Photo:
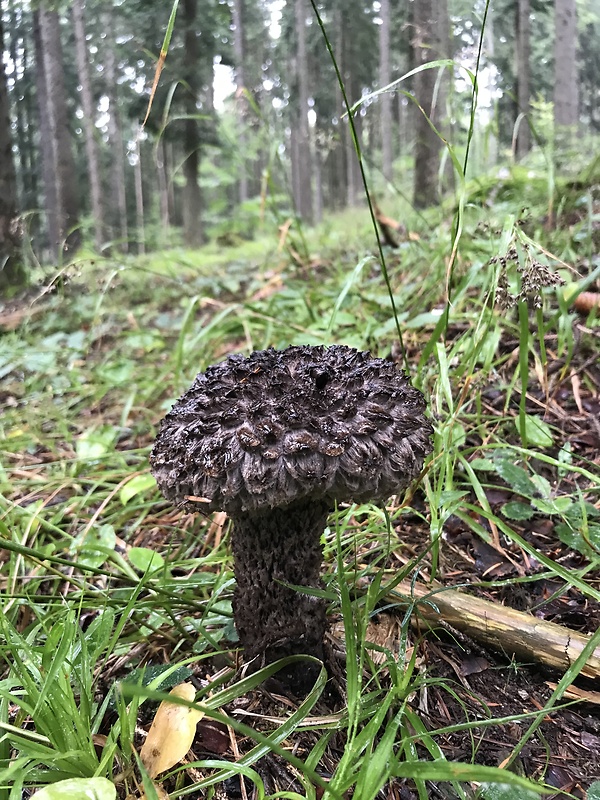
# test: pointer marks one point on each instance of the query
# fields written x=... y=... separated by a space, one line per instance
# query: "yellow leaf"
x=171 y=733
x=162 y=794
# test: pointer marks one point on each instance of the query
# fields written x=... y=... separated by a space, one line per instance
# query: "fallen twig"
x=502 y=628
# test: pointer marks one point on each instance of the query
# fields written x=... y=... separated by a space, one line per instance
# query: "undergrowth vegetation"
x=110 y=597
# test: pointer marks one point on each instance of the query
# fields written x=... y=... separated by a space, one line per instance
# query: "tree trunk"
x=91 y=144
x=30 y=150
x=58 y=112
x=237 y=12
x=337 y=158
x=444 y=84
x=294 y=164
x=47 y=151
x=169 y=161
x=139 y=195
x=24 y=170
x=385 y=100
x=353 y=183
x=318 y=174
x=489 y=86
x=566 y=99
x=523 y=143
x=118 y=193
x=304 y=206
x=163 y=187
x=426 y=44
x=192 y=202
x=12 y=271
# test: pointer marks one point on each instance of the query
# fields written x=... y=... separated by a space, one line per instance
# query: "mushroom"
x=275 y=440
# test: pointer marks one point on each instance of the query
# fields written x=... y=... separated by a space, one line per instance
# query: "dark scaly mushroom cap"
x=284 y=425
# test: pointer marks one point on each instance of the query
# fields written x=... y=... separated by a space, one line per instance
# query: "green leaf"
x=117 y=373
x=594 y=791
x=144 y=559
x=537 y=431
x=443 y=770
x=562 y=504
x=542 y=486
x=92 y=549
x=588 y=545
x=426 y=318
x=544 y=506
x=459 y=435
x=516 y=477
x=558 y=505
x=503 y=791
x=449 y=496
x=483 y=464
x=79 y=789
x=146 y=675
x=96 y=442
x=582 y=510
x=137 y=485
x=517 y=511
x=352 y=278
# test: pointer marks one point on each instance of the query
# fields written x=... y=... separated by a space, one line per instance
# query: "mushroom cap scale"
x=278 y=426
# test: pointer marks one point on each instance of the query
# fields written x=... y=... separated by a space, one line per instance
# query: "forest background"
x=249 y=121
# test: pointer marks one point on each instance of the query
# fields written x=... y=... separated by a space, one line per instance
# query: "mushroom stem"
x=273 y=548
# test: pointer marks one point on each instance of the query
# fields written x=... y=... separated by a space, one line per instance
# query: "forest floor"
x=98 y=572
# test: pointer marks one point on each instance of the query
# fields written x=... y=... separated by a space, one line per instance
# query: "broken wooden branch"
x=514 y=633
x=392 y=231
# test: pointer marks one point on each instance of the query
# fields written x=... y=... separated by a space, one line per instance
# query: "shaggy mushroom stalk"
x=274 y=550
x=275 y=440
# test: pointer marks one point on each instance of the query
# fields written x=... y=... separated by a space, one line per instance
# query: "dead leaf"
x=575 y=693
x=384 y=631
x=171 y=733
x=473 y=665
x=161 y=793
x=213 y=736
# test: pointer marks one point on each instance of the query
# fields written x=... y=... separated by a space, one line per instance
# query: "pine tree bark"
x=47 y=150
x=58 y=113
x=28 y=147
x=237 y=13
x=566 y=95
x=12 y=271
x=139 y=195
x=338 y=168
x=294 y=165
x=304 y=205
x=318 y=175
x=385 y=100
x=192 y=201
x=91 y=143
x=523 y=143
x=427 y=46
x=24 y=170
x=162 y=171
x=118 y=194
x=444 y=82
x=353 y=182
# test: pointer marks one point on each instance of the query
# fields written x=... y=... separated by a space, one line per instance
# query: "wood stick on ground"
x=514 y=633
x=392 y=231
